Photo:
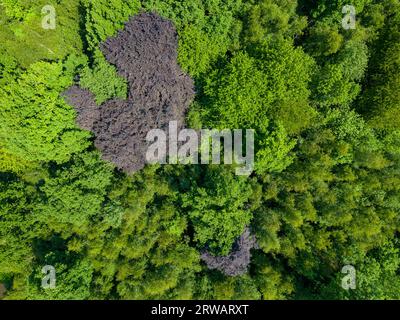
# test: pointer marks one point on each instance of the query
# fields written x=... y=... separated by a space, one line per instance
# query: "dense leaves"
x=325 y=192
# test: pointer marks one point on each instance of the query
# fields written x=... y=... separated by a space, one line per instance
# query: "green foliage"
x=333 y=89
x=334 y=8
x=377 y=276
x=36 y=123
x=73 y=192
x=148 y=253
x=336 y=197
x=274 y=155
x=207 y=30
x=381 y=101
x=72 y=283
x=104 y=18
x=342 y=55
x=337 y=81
x=17 y=227
x=12 y=163
x=103 y=81
x=218 y=209
x=270 y=17
x=272 y=284
x=259 y=86
x=265 y=90
x=325 y=192
x=324 y=40
x=23 y=37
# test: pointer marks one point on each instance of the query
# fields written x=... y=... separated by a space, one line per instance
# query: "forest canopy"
x=81 y=83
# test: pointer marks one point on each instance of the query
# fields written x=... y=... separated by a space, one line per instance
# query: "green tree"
x=72 y=193
x=265 y=18
x=381 y=100
x=23 y=37
x=218 y=207
x=36 y=123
